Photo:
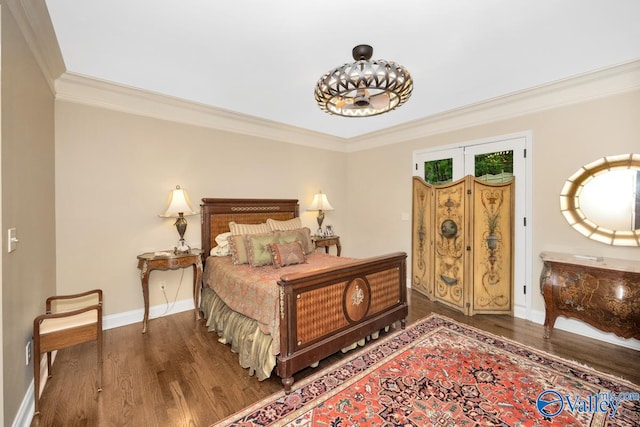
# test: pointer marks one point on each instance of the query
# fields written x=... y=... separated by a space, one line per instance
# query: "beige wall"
x=564 y=139
x=82 y=223
x=103 y=156
x=114 y=172
x=28 y=274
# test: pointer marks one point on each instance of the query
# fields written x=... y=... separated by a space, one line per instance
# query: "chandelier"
x=363 y=88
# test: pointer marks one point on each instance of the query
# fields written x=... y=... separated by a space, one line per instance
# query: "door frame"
x=520 y=311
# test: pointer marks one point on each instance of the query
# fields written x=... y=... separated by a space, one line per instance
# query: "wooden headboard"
x=217 y=213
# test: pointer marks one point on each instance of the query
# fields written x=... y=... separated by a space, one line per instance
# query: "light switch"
x=404 y=216
x=12 y=240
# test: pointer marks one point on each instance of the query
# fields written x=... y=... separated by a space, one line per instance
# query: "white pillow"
x=223 y=239
x=220 y=251
x=291 y=224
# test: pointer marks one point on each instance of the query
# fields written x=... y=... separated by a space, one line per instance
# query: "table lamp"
x=179 y=205
x=321 y=204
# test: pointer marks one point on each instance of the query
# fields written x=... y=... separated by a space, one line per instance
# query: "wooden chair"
x=63 y=327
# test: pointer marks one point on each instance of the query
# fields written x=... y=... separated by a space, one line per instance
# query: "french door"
x=498 y=159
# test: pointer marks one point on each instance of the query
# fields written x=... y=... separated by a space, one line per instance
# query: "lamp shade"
x=320 y=203
x=178 y=203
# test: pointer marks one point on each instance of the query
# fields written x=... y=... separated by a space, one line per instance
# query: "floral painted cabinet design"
x=462 y=244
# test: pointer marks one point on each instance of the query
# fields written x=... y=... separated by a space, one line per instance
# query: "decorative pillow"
x=302 y=235
x=223 y=239
x=238 y=250
x=242 y=229
x=220 y=250
x=291 y=224
x=284 y=254
x=258 y=248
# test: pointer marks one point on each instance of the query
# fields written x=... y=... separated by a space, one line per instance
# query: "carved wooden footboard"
x=323 y=312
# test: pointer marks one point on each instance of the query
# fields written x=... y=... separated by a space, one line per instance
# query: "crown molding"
x=89 y=91
x=32 y=17
x=602 y=83
x=598 y=84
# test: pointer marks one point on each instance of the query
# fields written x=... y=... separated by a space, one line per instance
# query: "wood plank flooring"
x=178 y=374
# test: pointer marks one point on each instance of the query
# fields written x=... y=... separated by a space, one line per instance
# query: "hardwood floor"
x=178 y=374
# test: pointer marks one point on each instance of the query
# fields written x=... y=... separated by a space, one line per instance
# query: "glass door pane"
x=494 y=167
x=440 y=167
x=438 y=171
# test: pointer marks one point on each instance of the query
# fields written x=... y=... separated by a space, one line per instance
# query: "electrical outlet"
x=27 y=353
x=163 y=284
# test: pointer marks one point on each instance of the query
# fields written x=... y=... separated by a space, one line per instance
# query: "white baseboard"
x=135 y=316
x=581 y=328
x=25 y=412
x=577 y=327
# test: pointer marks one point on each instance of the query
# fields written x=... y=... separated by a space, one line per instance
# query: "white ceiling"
x=263 y=58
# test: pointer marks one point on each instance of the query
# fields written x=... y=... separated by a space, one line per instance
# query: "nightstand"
x=168 y=260
x=326 y=242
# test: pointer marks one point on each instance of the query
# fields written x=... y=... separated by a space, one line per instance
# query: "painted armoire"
x=462 y=244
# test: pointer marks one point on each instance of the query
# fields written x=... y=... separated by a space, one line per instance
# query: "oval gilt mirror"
x=602 y=200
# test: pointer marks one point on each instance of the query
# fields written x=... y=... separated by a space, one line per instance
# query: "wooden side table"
x=326 y=242
x=168 y=260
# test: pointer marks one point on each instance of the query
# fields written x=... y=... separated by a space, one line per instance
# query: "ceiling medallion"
x=363 y=88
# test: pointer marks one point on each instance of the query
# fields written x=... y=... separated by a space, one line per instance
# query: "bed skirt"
x=242 y=333
x=245 y=337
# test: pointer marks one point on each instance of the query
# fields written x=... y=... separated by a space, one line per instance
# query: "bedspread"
x=253 y=291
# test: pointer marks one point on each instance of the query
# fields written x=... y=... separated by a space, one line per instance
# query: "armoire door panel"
x=492 y=265
x=422 y=238
x=463 y=244
x=450 y=244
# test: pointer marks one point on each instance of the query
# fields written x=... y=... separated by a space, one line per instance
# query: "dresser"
x=603 y=292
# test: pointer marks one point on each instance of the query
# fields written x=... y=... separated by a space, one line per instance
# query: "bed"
x=286 y=319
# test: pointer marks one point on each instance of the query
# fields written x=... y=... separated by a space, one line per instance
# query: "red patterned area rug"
x=438 y=372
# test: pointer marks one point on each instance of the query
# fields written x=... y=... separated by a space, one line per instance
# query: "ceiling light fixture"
x=364 y=88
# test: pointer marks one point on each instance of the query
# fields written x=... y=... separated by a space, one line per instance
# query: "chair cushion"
x=56 y=324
